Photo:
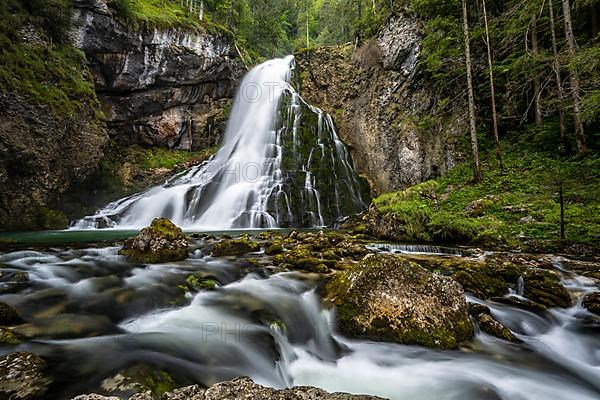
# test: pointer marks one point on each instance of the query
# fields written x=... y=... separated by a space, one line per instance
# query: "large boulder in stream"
x=389 y=298
x=240 y=388
x=160 y=242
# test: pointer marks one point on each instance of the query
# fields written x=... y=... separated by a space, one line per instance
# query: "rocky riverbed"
x=339 y=311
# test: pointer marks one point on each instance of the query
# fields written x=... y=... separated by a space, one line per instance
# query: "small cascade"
x=520 y=286
x=281 y=165
x=415 y=249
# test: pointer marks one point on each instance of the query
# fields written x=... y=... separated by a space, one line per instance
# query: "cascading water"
x=275 y=329
x=281 y=165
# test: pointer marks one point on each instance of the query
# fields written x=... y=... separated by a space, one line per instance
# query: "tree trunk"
x=561 y=200
x=559 y=87
x=477 y=176
x=574 y=79
x=493 y=91
x=537 y=89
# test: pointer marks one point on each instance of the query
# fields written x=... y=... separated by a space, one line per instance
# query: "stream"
x=93 y=314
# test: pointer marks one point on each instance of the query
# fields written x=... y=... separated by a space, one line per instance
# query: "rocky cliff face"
x=169 y=88
x=42 y=155
x=160 y=87
x=381 y=106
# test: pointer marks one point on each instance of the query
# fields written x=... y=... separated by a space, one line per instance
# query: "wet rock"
x=95 y=396
x=13 y=282
x=66 y=326
x=197 y=282
x=235 y=247
x=304 y=258
x=273 y=249
x=544 y=287
x=8 y=315
x=390 y=298
x=22 y=376
x=592 y=302
x=160 y=242
x=488 y=324
x=241 y=388
x=141 y=378
x=8 y=338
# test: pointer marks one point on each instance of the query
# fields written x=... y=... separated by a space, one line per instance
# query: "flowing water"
x=274 y=328
x=281 y=165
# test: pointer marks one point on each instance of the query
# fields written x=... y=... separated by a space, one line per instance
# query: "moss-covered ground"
x=517 y=207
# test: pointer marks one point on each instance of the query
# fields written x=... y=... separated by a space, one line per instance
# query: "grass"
x=504 y=209
x=162 y=14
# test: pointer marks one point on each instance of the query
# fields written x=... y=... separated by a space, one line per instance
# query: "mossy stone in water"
x=160 y=242
x=592 y=302
x=8 y=338
x=235 y=247
x=8 y=315
x=389 y=298
x=489 y=324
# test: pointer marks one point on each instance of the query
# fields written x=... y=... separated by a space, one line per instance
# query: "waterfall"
x=281 y=165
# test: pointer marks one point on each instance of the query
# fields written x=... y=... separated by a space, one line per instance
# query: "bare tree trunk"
x=561 y=200
x=574 y=79
x=493 y=91
x=559 y=86
x=537 y=87
x=477 y=176
x=201 y=15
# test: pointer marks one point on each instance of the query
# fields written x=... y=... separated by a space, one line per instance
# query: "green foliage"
x=44 y=69
x=158 y=157
x=504 y=209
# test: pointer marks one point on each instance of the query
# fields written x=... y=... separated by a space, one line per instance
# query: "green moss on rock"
x=235 y=247
x=8 y=338
x=53 y=219
x=160 y=242
x=390 y=298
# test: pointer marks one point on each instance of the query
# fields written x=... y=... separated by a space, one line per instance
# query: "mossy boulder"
x=23 y=376
x=160 y=242
x=389 y=298
x=139 y=378
x=235 y=247
x=592 y=302
x=488 y=324
x=305 y=258
x=273 y=248
x=197 y=282
x=544 y=287
x=8 y=315
x=8 y=338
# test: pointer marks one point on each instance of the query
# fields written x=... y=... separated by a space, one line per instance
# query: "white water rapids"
x=274 y=329
x=246 y=184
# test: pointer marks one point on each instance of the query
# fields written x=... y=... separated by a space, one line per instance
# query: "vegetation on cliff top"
x=37 y=61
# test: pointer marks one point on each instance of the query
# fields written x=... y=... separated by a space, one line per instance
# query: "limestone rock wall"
x=381 y=105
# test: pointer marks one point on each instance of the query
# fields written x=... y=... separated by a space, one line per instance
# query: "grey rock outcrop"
x=240 y=388
x=166 y=87
x=382 y=107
